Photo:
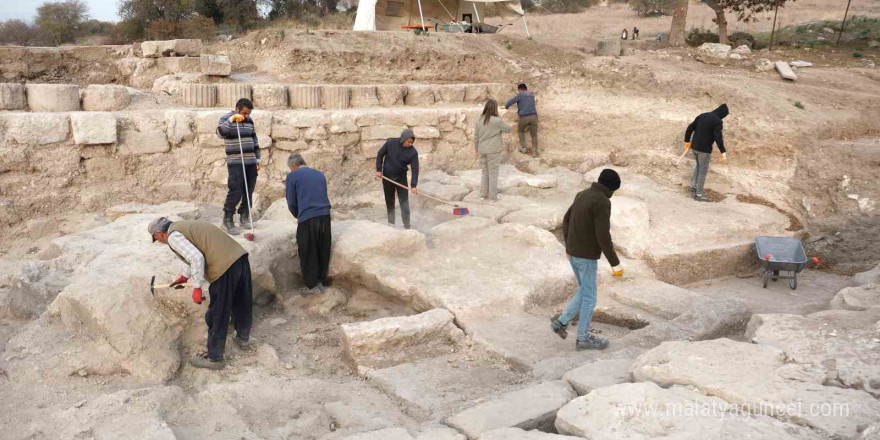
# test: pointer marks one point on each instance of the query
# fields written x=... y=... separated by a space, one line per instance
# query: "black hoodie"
x=707 y=129
x=393 y=158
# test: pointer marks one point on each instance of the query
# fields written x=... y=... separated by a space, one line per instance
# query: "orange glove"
x=197 y=295
x=724 y=157
x=617 y=271
x=687 y=146
x=236 y=118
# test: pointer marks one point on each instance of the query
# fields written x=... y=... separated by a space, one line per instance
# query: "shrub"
x=699 y=36
x=740 y=37
x=199 y=27
x=799 y=105
x=652 y=8
x=857 y=54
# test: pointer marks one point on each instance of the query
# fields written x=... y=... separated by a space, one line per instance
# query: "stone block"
x=35 y=128
x=377 y=132
x=197 y=95
x=519 y=434
x=598 y=374
x=269 y=96
x=382 y=434
x=292 y=146
x=343 y=123
x=179 y=126
x=370 y=149
x=216 y=65
x=53 y=97
x=715 y=50
x=175 y=65
x=206 y=121
x=12 y=97
x=333 y=97
x=419 y=94
x=105 y=168
x=391 y=95
x=105 y=97
x=478 y=93
x=609 y=48
x=364 y=96
x=304 y=96
x=426 y=132
x=785 y=70
x=171 y=48
x=229 y=94
x=375 y=343
x=533 y=407
x=142 y=133
x=452 y=93
x=93 y=128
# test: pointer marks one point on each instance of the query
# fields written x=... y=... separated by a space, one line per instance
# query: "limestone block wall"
x=63 y=97
x=53 y=162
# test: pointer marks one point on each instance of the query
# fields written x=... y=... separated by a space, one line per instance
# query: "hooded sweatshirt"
x=586 y=227
x=707 y=129
x=393 y=158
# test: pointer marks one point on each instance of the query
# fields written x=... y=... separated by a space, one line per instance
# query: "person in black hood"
x=707 y=129
x=392 y=162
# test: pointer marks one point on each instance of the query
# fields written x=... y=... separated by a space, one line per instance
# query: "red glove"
x=197 y=295
x=177 y=283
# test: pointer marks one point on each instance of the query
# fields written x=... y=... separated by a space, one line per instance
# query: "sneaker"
x=243 y=344
x=201 y=361
x=523 y=150
x=592 y=343
x=701 y=198
x=496 y=197
x=558 y=328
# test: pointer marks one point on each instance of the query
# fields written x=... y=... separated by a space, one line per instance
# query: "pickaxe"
x=164 y=286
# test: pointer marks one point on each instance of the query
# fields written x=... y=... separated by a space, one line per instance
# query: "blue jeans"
x=584 y=300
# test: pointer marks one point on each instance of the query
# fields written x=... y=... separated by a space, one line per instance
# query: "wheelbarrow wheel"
x=792 y=282
x=766 y=278
x=775 y=275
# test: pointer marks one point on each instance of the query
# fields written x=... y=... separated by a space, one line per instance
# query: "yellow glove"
x=236 y=118
x=724 y=157
x=617 y=271
x=687 y=146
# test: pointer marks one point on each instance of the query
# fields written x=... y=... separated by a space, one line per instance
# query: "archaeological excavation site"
x=441 y=330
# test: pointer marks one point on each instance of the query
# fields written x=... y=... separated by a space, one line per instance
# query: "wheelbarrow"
x=781 y=254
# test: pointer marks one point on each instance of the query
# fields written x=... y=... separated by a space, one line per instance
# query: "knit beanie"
x=610 y=179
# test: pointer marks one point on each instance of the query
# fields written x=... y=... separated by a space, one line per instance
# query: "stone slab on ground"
x=655 y=297
x=216 y=65
x=643 y=411
x=105 y=97
x=857 y=298
x=382 y=434
x=842 y=342
x=598 y=374
x=383 y=342
x=93 y=128
x=705 y=319
x=815 y=290
x=53 y=97
x=785 y=70
x=753 y=374
x=532 y=407
x=12 y=97
x=440 y=432
x=868 y=277
x=519 y=434
x=443 y=385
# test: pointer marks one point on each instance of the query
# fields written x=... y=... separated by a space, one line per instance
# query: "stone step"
x=63 y=97
x=532 y=407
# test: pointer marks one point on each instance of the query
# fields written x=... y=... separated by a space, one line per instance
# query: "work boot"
x=558 y=328
x=592 y=343
x=229 y=224
x=201 y=361
x=243 y=344
x=245 y=220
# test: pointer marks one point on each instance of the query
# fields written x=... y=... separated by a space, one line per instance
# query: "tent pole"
x=526 y=24
x=421 y=16
x=476 y=13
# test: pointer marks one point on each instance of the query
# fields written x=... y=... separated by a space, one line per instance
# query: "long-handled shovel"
x=682 y=156
x=248 y=236
x=456 y=209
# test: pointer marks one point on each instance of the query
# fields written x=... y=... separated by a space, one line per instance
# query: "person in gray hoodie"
x=488 y=143
x=392 y=161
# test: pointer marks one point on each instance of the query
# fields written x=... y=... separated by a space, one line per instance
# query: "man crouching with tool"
x=214 y=258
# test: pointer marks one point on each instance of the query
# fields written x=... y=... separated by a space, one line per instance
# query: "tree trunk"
x=720 y=19
x=678 y=31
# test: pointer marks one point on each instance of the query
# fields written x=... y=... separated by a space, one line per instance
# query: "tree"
x=62 y=20
x=678 y=30
x=745 y=10
x=18 y=32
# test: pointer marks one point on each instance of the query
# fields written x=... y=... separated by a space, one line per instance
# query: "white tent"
x=385 y=15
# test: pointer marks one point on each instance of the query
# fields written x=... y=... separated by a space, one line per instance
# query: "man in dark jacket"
x=232 y=125
x=700 y=135
x=527 y=111
x=307 y=200
x=392 y=161
x=586 y=228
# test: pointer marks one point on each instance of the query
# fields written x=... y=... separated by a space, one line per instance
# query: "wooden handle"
x=445 y=202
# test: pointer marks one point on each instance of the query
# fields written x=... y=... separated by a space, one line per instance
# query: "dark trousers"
x=530 y=124
x=313 y=238
x=402 y=194
x=231 y=295
x=236 y=187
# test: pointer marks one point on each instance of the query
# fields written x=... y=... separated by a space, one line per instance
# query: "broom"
x=456 y=209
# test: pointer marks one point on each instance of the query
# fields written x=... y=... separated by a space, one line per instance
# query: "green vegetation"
x=799 y=105
x=859 y=30
x=699 y=36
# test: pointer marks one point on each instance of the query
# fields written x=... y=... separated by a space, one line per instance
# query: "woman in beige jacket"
x=488 y=145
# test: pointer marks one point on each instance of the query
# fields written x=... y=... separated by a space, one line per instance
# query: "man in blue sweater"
x=234 y=126
x=306 y=192
x=528 y=117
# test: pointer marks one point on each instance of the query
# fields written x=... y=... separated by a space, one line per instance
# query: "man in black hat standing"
x=586 y=228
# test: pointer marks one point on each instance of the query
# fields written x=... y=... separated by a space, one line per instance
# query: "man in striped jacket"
x=230 y=126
